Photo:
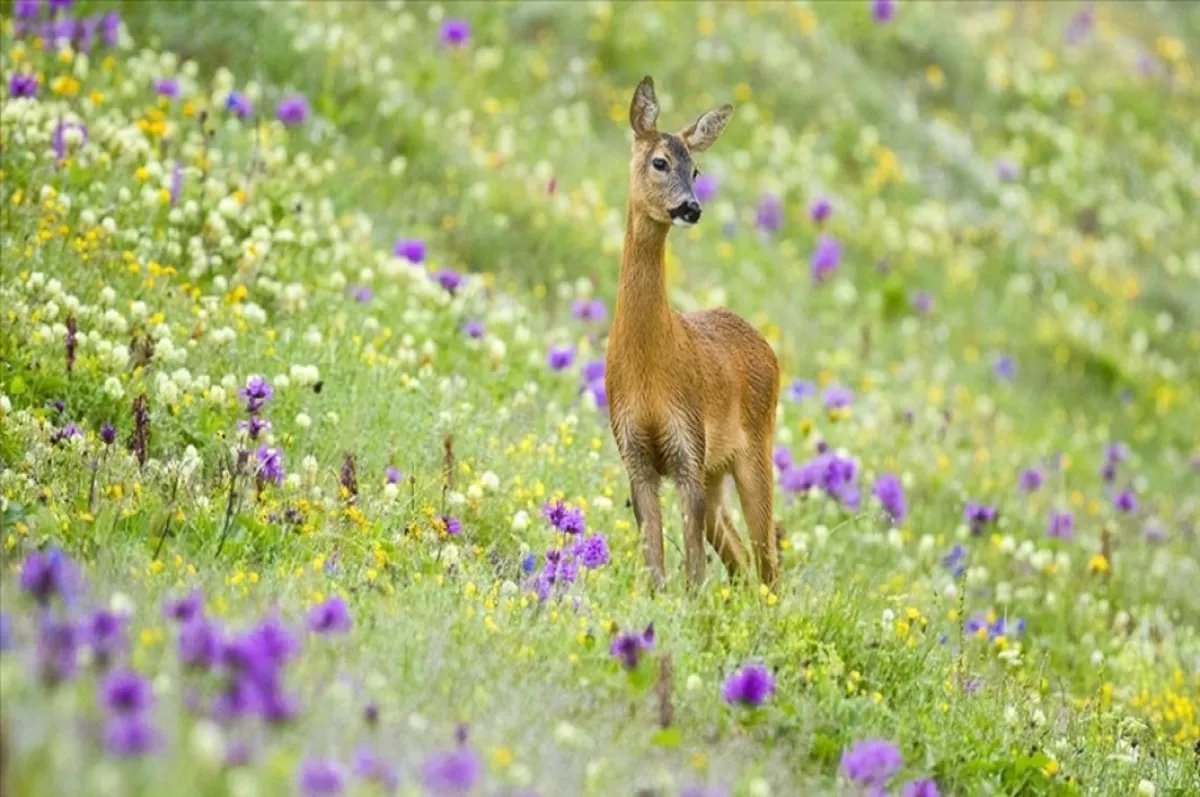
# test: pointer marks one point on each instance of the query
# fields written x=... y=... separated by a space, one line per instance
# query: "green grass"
x=1100 y=693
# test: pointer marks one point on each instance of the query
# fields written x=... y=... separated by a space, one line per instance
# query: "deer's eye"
x=660 y=164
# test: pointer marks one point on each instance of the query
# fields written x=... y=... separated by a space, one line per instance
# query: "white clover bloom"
x=303 y=420
x=520 y=520
x=112 y=387
x=490 y=481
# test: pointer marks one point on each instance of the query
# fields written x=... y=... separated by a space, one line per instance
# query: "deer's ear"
x=643 y=111
x=701 y=134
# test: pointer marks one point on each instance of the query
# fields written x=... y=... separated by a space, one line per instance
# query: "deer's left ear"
x=701 y=134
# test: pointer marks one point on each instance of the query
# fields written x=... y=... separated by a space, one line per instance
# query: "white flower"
x=207 y=743
x=475 y=492
x=121 y=604
x=302 y=420
x=292 y=482
x=1146 y=789
x=759 y=788
x=112 y=386
x=490 y=481
x=216 y=394
x=694 y=683
x=520 y=521
x=390 y=491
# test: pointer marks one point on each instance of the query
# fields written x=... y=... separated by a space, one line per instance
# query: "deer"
x=692 y=396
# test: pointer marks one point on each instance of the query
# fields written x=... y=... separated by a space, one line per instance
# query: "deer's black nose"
x=689 y=211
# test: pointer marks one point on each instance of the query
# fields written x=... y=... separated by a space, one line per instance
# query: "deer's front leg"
x=694 y=512
x=647 y=509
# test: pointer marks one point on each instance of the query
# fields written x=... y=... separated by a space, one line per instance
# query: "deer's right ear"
x=643 y=111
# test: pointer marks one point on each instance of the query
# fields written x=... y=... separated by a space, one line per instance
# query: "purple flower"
x=832 y=473
x=293 y=109
x=1061 y=526
x=454 y=772
x=1005 y=368
x=628 y=648
x=270 y=464
x=239 y=104
x=44 y=575
x=57 y=651
x=1031 y=480
x=801 y=389
x=882 y=11
x=27 y=9
x=320 y=778
x=560 y=357
x=838 y=397
x=749 y=686
x=978 y=515
x=825 y=258
x=955 y=561
x=362 y=293
x=167 y=87
x=592 y=371
x=185 y=609
x=330 y=617
x=370 y=767
x=699 y=790
x=820 y=209
x=585 y=310
x=105 y=635
x=1126 y=501
x=705 y=187
x=393 y=475
x=452 y=525
x=110 y=29
x=67 y=432
x=22 y=85
x=411 y=249
x=200 y=644
x=126 y=692
x=1006 y=170
x=592 y=551
x=890 y=492
x=474 y=329
x=129 y=735
x=564 y=518
x=254 y=427
x=256 y=393
x=1079 y=26
x=926 y=787
x=60 y=5
x=769 y=215
x=108 y=434
x=455 y=33
x=449 y=279
x=782 y=457
x=1154 y=531
x=599 y=393
x=922 y=302
x=872 y=762
x=59 y=139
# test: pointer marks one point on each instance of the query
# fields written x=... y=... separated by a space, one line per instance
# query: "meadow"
x=306 y=478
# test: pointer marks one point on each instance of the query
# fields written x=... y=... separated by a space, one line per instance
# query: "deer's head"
x=662 y=174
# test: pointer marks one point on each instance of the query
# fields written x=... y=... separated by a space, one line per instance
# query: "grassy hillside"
x=304 y=308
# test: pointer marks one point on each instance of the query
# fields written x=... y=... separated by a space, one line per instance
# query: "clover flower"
x=455 y=33
x=589 y=310
x=837 y=397
x=185 y=609
x=411 y=249
x=452 y=772
x=167 y=87
x=978 y=516
x=1031 y=479
x=293 y=110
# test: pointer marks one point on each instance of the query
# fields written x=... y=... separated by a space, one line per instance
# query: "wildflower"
x=455 y=33
x=1006 y=170
x=922 y=302
x=1005 y=368
x=978 y=515
x=126 y=692
x=256 y=394
x=801 y=389
x=566 y=519
x=474 y=329
x=1154 y=531
x=66 y=433
x=529 y=562
x=200 y=644
x=393 y=475
x=110 y=29
x=1062 y=525
x=890 y=493
x=293 y=109
x=319 y=778
x=1080 y=25
x=749 y=686
x=820 y=209
x=925 y=787
x=592 y=551
x=57 y=651
x=129 y=735
x=449 y=279
x=239 y=104
x=769 y=216
x=60 y=5
x=782 y=457
x=1126 y=501
x=45 y=575
x=27 y=9
x=837 y=397
x=185 y=609
x=270 y=464
x=370 y=767
x=629 y=647
x=176 y=183
x=705 y=187
x=585 y=310
x=104 y=632
x=955 y=561
x=66 y=132
x=22 y=85
x=411 y=249
x=1031 y=479
x=108 y=434
x=882 y=11
x=330 y=617
x=348 y=477
x=560 y=357
x=167 y=87
x=452 y=525
x=6 y=640
x=454 y=772
x=832 y=473
x=872 y=762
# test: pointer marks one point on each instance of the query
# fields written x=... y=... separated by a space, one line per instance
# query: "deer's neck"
x=643 y=316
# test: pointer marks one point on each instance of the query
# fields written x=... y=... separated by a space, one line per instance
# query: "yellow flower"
x=1098 y=563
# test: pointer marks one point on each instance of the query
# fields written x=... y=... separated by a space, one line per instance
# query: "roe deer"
x=691 y=396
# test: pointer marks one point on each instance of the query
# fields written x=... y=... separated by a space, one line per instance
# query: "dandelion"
x=769 y=216
x=270 y=464
x=23 y=85
x=628 y=648
x=256 y=394
x=411 y=249
x=129 y=735
x=320 y=778
x=167 y=87
x=705 y=187
x=239 y=104
x=47 y=575
x=1061 y=526
x=126 y=692
x=890 y=492
x=330 y=617
x=560 y=358
x=882 y=11
x=820 y=209
x=592 y=551
x=749 y=686
x=872 y=762
x=455 y=33
x=293 y=110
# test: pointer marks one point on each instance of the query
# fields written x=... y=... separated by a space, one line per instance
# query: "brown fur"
x=692 y=396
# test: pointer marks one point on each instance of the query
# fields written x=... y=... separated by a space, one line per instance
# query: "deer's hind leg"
x=719 y=528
